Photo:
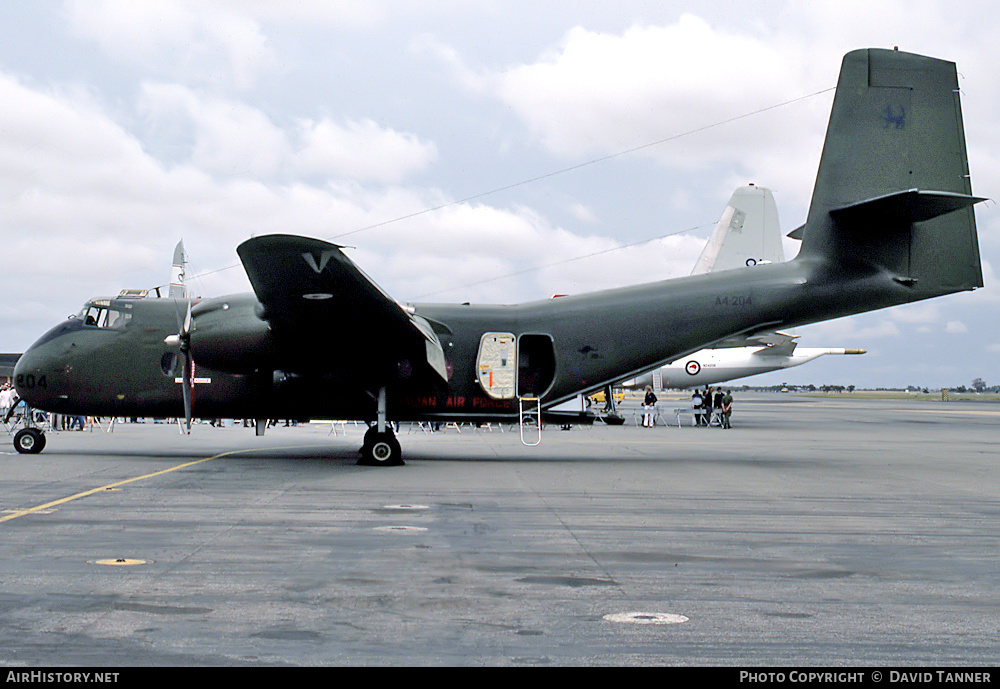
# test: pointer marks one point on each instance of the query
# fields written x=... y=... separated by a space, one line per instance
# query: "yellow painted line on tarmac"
x=111 y=486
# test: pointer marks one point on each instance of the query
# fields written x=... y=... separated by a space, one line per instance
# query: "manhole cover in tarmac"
x=406 y=507
x=401 y=529
x=645 y=618
x=119 y=562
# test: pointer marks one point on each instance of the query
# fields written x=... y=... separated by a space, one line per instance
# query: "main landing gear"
x=380 y=447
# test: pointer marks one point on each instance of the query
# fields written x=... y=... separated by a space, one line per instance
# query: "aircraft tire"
x=382 y=450
x=369 y=439
x=29 y=441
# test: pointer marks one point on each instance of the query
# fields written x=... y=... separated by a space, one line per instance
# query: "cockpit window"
x=103 y=314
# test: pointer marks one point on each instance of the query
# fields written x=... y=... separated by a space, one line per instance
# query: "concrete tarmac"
x=815 y=532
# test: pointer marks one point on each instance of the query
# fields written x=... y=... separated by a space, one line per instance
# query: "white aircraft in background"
x=748 y=234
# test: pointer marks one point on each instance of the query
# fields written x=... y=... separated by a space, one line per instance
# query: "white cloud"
x=328 y=13
x=858 y=329
x=201 y=42
x=918 y=313
x=583 y=213
x=228 y=137
x=362 y=151
x=88 y=210
x=601 y=93
x=683 y=94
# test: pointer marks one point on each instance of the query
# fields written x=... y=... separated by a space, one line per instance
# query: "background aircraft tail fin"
x=747 y=234
x=177 y=287
x=893 y=191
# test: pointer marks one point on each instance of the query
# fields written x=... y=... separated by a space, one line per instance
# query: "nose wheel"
x=29 y=441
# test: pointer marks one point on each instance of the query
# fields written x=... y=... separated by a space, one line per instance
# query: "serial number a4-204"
x=734 y=300
x=29 y=381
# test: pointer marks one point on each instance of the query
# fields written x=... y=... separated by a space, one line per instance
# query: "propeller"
x=183 y=341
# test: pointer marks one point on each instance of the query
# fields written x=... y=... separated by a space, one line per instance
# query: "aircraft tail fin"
x=893 y=191
x=177 y=288
x=747 y=233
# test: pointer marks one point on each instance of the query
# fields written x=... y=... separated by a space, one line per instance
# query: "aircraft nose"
x=33 y=377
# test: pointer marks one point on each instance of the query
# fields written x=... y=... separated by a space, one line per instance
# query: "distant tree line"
x=978 y=385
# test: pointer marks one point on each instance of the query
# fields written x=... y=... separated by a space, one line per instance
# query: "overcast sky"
x=466 y=151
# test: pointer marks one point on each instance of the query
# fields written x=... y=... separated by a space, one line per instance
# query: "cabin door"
x=536 y=365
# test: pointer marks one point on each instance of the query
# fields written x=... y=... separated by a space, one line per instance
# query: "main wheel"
x=381 y=449
x=29 y=441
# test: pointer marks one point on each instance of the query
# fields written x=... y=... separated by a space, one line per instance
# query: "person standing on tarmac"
x=696 y=402
x=6 y=399
x=727 y=408
x=648 y=405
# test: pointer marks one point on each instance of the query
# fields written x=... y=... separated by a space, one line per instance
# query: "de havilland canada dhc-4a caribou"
x=890 y=222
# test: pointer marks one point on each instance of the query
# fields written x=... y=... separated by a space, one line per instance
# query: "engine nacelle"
x=229 y=335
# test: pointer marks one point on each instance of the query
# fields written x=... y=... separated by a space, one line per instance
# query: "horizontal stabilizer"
x=905 y=207
x=786 y=349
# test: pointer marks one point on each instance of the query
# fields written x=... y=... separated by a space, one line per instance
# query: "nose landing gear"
x=29 y=441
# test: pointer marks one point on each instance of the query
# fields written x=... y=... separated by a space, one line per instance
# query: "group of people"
x=713 y=400
x=8 y=398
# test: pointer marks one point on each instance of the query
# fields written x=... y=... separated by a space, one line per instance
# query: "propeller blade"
x=188 y=385
x=183 y=341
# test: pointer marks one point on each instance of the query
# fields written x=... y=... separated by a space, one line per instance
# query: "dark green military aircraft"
x=891 y=222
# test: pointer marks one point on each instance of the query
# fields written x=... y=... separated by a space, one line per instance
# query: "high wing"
x=325 y=313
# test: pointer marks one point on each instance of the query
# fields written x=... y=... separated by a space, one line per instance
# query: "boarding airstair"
x=530 y=412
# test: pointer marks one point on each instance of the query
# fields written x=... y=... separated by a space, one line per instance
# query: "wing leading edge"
x=323 y=308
